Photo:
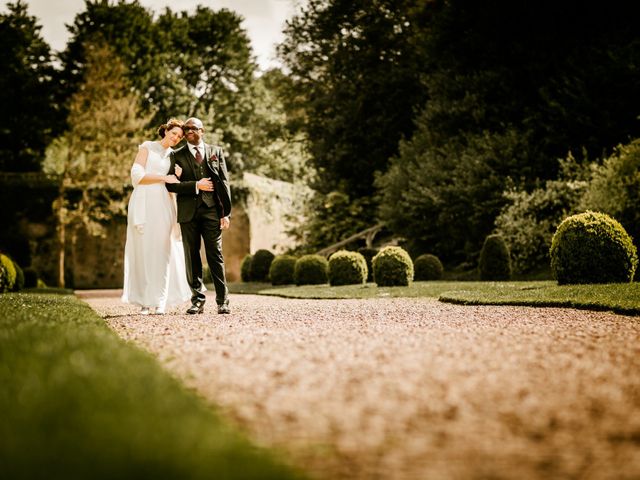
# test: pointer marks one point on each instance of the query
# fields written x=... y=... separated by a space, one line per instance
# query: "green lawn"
x=77 y=402
x=621 y=298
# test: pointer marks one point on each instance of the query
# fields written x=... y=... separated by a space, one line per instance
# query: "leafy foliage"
x=530 y=219
x=614 y=187
x=427 y=267
x=392 y=267
x=592 y=247
x=28 y=91
x=311 y=270
x=260 y=264
x=347 y=268
x=245 y=268
x=8 y=275
x=495 y=259
x=282 y=270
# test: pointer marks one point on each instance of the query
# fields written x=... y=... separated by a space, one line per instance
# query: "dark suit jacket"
x=186 y=189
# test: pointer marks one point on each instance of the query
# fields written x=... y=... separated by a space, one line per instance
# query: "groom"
x=204 y=204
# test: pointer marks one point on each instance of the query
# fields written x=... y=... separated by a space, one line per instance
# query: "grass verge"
x=78 y=402
x=618 y=297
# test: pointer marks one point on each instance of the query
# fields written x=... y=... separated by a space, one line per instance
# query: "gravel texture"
x=411 y=388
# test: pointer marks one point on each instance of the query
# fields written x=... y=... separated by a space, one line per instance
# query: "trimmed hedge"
x=427 y=267
x=368 y=254
x=392 y=267
x=282 y=269
x=592 y=247
x=311 y=270
x=260 y=264
x=495 y=259
x=245 y=268
x=347 y=268
x=8 y=277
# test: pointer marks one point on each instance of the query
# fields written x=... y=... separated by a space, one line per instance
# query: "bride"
x=154 y=270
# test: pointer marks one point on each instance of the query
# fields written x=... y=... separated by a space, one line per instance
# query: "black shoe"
x=196 y=307
x=224 y=308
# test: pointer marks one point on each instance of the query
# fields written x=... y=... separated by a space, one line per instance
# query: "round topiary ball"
x=368 y=254
x=311 y=270
x=427 y=267
x=495 y=259
x=19 y=285
x=245 y=268
x=592 y=247
x=281 y=270
x=260 y=265
x=392 y=266
x=10 y=271
x=347 y=268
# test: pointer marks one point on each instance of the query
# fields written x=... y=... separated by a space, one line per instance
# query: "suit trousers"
x=204 y=226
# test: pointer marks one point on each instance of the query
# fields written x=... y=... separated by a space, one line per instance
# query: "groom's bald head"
x=193 y=130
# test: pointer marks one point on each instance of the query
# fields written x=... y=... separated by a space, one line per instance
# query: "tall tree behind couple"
x=161 y=271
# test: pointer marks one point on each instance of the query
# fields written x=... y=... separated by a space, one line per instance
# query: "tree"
x=95 y=154
x=27 y=91
x=356 y=68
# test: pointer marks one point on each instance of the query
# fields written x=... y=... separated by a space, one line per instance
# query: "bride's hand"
x=171 y=179
x=178 y=171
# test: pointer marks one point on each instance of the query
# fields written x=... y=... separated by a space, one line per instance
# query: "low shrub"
x=311 y=270
x=282 y=270
x=368 y=254
x=427 y=267
x=260 y=264
x=19 y=285
x=9 y=268
x=245 y=268
x=392 y=266
x=347 y=268
x=495 y=260
x=592 y=247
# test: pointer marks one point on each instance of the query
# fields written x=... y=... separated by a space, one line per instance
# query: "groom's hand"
x=224 y=223
x=205 y=184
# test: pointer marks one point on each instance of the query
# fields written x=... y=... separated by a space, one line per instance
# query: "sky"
x=264 y=19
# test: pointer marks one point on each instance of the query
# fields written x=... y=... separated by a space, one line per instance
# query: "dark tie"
x=198 y=156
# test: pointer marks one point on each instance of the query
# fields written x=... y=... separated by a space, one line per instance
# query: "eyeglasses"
x=189 y=129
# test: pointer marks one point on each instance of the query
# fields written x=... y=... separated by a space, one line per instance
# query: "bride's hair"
x=171 y=123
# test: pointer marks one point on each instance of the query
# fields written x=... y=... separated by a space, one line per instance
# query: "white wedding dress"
x=154 y=268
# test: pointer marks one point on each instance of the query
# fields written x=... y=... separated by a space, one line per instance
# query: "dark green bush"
x=347 y=268
x=30 y=277
x=19 y=285
x=260 y=264
x=311 y=270
x=368 y=254
x=592 y=247
x=427 y=267
x=245 y=268
x=9 y=278
x=282 y=269
x=495 y=259
x=392 y=266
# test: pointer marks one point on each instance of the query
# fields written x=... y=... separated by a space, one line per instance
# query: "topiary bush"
x=495 y=259
x=19 y=285
x=392 y=266
x=368 y=254
x=311 y=270
x=592 y=247
x=282 y=269
x=347 y=268
x=10 y=273
x=260 y=265
x=245 y=268
x=427 y=267
x=4 y=281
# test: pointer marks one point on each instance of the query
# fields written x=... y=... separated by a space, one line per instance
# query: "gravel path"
x=412 y=388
